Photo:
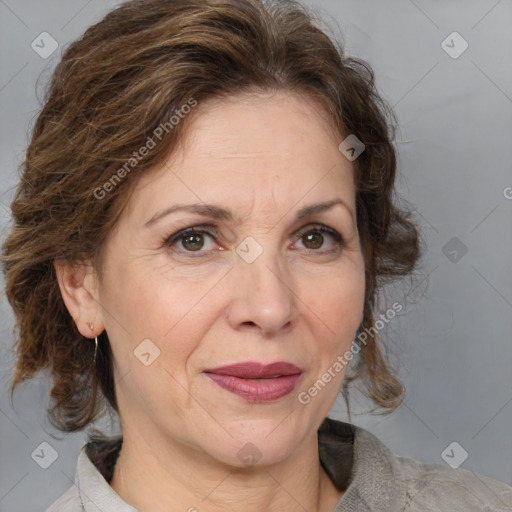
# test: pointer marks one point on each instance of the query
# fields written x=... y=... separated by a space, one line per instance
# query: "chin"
x=259 y=442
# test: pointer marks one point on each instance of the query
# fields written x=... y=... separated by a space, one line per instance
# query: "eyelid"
x=318 y=227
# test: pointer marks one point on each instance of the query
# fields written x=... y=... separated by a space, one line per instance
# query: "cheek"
x=339 y=304
x=145 y=301
x=339 y=300
x=138 y=306
x=157 y=317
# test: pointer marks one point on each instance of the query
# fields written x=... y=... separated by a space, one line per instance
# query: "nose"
x=262 y=296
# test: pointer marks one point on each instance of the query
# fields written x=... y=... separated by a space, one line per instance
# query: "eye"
x=193 y=239
x=314 y=238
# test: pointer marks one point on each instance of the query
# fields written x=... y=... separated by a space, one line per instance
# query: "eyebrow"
x=223 y=214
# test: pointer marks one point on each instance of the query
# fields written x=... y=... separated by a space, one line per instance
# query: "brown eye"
x=313 y=240
x=193 y=242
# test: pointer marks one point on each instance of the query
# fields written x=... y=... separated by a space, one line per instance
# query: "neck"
x=182 y=478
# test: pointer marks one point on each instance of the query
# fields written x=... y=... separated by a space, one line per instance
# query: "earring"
x=95 y=350
x=91 y=327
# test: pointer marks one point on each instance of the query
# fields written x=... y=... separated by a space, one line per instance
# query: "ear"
x=78 y=283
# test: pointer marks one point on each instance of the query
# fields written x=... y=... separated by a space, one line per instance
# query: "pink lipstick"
x=257 y=382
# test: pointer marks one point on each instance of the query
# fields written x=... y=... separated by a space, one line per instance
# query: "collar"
x=374 y=481
x=94 y=492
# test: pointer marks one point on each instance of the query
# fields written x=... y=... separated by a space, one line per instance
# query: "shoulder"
x=433 y=487
x=436 y=487
x=68 y=502
x=90 y=490
x=377 y=479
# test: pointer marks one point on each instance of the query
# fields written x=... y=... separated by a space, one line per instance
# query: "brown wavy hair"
x=112 y=89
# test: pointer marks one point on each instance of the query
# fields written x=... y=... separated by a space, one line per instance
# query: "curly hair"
x=117 y=84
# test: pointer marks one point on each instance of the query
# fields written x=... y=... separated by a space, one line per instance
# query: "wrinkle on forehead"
x=246 y=137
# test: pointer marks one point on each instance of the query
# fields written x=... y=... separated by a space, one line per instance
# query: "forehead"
x=266 y=149
x=281 y=126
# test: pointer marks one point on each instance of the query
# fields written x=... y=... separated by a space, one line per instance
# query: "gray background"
x=452 y=344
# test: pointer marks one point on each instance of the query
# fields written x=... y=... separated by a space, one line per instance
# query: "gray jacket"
x=373 y=477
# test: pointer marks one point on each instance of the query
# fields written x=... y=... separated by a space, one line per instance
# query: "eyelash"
x=212 y=231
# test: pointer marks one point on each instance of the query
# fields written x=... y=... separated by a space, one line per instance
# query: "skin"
x=264 y=156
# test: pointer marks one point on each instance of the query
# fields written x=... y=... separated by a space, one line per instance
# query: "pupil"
x=197 y=242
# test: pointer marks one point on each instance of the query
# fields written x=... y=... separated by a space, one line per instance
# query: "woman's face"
x=255 y=283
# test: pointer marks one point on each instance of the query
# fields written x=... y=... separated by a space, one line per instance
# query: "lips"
x=253 y=370
x=256 y=382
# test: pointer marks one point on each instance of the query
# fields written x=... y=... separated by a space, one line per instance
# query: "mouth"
x=255 y=370
x=256 y=382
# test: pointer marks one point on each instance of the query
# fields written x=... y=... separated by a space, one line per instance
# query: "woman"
x=203 y=225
